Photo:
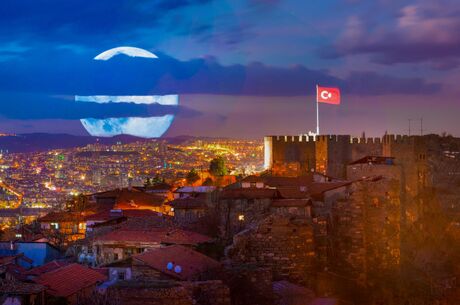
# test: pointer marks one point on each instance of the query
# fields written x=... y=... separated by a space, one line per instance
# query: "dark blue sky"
x=242 y=68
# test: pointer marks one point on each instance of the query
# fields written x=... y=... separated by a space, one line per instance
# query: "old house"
x=124 y=243
x=72 y=283
x=189 y=210
x=107 y=220
x=38 y=252
x=131 y=199
x=53 y=265
x=161 y=188
x=21 y=293
x=192 y=191
x=175 y=262
x=68 y=226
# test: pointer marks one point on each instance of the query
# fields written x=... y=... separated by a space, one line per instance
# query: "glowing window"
x=241 y=217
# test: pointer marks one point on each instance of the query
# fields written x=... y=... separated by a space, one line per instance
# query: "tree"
x=148 y=182
x=157 y=179
x=192 y=176
x=78 y=203
x=208 y=182
x=217 y=167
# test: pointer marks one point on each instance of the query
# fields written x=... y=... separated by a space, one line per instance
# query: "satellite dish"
x=178 y=269
x=169 y=266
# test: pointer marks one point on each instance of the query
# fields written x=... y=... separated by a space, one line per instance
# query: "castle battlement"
x=386 y=139
x=365 y=141
x=401 y=139
x=330 y=154
x=309 y=138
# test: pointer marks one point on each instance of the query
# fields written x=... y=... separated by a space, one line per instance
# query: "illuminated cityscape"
x=214 y=152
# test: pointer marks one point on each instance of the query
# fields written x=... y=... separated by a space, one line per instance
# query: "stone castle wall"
x=366 y=230
x=284 y=245
x=330 y=154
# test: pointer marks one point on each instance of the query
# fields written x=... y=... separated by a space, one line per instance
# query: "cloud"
x=41 y=107
x=76 y=74
x=421 y=32
x=100 y=21
x=372 y=83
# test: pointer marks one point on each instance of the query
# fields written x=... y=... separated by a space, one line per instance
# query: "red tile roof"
x=130 y=199
x=108 y=215
x=279 y=203
x=8 y=259
x=155 y=235
x=68 y=280
x=275 y=181
x=53 y=265
x=317 y=189
x=188 y=203
x=191 y=262
x=248 y=193
x=61 y=217
x=15 y=270
x=374 y=160
x=293 y=192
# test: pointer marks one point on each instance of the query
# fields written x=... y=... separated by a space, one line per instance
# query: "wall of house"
x=141 y=271
x=40 y=253
x=238 y=214
x=109 y=252
x=188 y=215
x=172 y=293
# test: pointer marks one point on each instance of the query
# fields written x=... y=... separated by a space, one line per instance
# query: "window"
x=54 y=225
x=241 y=217
x=121 y=275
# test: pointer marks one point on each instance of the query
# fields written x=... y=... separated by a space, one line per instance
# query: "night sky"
x=242 y=68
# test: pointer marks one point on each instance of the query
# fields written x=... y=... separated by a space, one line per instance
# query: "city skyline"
x=243 y=69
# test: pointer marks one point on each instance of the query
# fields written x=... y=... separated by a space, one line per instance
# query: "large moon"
x=150 y=127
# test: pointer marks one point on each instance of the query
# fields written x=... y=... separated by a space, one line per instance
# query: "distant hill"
x=44 y=141
x=35 y=142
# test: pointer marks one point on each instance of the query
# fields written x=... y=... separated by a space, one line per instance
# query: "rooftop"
x=112 y=214
x=374 y=160
x=188 y=203
x=20 y=288
x=178 y=261
x=53 y=265
x=68 y=280
x=279 y=203
x=62 y=217
x=195 y=189
x=248 y=193
x=154 y=235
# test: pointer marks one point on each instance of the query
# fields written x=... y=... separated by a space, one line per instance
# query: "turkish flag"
x=328 y=95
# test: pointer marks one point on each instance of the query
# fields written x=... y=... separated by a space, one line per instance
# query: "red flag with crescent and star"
x=328 y=95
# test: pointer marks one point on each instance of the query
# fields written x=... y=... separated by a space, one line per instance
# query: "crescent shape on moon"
x=129 y=51
x=152 y=127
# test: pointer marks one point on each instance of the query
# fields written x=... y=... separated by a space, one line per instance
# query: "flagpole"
x=317 y=112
